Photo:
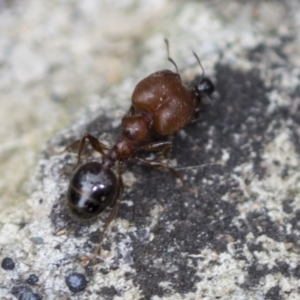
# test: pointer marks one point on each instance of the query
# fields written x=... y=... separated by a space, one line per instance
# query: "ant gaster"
x=161 y=102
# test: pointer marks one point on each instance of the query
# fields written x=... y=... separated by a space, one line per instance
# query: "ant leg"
x=95 y=143
x=165 y=147
x=205 y=102
x=79 y=144
x=72 y=145
x=112 y=214
x=158 y=164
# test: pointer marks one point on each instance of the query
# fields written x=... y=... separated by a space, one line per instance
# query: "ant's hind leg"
x=158 y=164
x=73 y=145
x=95 y=143
x=163 y=148
x=112 y=214
x=80 y=145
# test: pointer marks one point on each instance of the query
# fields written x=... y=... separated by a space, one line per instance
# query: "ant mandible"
x=161 y=102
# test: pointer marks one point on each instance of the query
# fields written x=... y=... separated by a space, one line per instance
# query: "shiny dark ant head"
x=92 y=188
x=204 y=87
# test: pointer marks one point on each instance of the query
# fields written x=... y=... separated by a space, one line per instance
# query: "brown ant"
x=161 y=102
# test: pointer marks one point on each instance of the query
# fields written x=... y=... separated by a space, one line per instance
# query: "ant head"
x=204 y=87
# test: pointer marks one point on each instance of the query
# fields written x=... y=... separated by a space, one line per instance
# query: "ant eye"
x=206 y=87
x=91 y=189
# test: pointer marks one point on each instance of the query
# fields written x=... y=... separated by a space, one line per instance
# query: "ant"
x=160 y=102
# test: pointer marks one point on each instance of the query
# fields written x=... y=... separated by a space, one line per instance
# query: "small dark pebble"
x=76 y=282
x=104 y=271
x=23 y=292
x=37 y=240
x=94 y=236
x=7 y=263
x=22 y=225
x=32 y=279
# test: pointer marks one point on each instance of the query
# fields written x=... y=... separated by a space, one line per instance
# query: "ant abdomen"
x=92 y=188
x=167 y=99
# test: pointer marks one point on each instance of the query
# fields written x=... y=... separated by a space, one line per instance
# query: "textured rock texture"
x=239 y=237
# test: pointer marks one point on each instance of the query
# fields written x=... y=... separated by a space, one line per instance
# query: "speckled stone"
x=239 y=238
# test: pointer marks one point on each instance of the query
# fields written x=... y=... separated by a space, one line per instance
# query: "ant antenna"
x=199 y=62
x=169 y=58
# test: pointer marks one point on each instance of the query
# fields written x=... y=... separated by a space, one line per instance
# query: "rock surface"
x=239 y=237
